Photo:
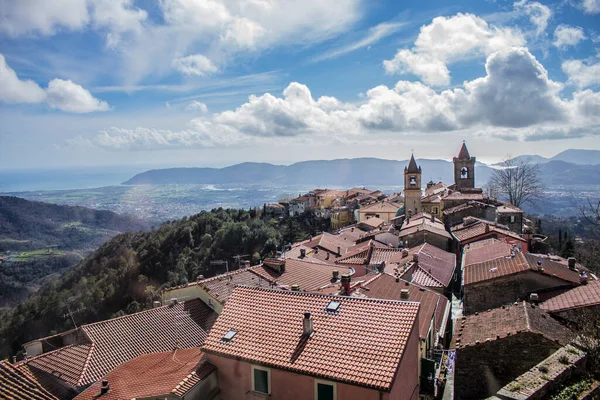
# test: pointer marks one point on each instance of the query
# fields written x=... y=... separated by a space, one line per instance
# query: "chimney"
x=302 y=253
x=199 y=278
x=534 y=298
x=307 y=325
x=404 y=294
x=381 y=267
x=156 y=304
x=346 y=283
x=572 y=261
x=14 y=359
x=487 y=228
x=339 y=251
x=295 y=287
x=416 y=258
x=104 y=388
x=404 y=253
x=352 y=229
x=247 y=263
x=583 y=278
x=327 y=257
x=335 y=275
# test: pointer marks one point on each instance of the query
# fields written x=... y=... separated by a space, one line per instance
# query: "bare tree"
x=591 y=212
x=519 y=180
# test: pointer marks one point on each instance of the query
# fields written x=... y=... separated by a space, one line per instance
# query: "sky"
x=171 y=83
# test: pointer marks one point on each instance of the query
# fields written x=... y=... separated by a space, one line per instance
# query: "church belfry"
x=412 y=187
x=464 y=169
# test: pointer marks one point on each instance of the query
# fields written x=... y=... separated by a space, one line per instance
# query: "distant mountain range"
x=370 y=172
x=574 y=156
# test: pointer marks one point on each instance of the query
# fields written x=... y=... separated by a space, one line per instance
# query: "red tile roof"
x=308 y=275
x=478 y=227
x=221 y=286
x=372 y=222
x=464 y=196
x=387 y=255
x=329 y=242
x=152 y=375
x=553 y=268
x=382 y=206
x=486 y=250
x=582 y=296
x=16 y=384
x=362 y=343
x=434 y=306
x=508 y=320
x=115 y=341
x=423 y=278
x=422 y=222
x=495 y=268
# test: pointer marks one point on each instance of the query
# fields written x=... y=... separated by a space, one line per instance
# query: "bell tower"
x=412 y=187
x=464 y=169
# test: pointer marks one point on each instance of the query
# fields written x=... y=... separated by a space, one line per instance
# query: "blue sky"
x=215 y=82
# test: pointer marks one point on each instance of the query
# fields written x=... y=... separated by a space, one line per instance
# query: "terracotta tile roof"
x=475 y=227
x=486 y=250
x=422 y=222
x=508 y=320
x=221 y=286
x=495 y=268
x=20 y=385
x=435 y=263
x=464 y=196
x=359 y=256
x=329 y=242
x=353 y=233
x=153 y=375
x=553 y=268
x=433 y=304
x=382 y=206
x=115 y=341
x=268 y=323
x=582 y=296
x=48 y=382
x=372 y=222
x=438 y=188
x=306 y=274
x=387 y=255
x=423 y=278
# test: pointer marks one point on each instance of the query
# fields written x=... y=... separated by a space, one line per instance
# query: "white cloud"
x=118 y=17
x=374 y=34
x=539 y=14
x=195 y=64
x=42 y=16
x=449 y=39
x=196 y=106
x=591 y=6
x=15 y=90
x=70 y=97
x=61 y=94
x=565 y=36
x=582 y=74
x=514 y=100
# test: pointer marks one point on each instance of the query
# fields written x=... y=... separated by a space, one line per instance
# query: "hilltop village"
x=435 y=292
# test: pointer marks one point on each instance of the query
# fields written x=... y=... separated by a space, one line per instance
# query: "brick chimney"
x=346 y=283
x=404 y=294
x=302 y=253
x=307 y=325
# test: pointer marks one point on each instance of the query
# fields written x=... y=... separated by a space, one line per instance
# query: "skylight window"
x=333 y=306
x=228 y=336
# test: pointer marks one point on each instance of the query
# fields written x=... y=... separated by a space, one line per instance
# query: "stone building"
x=424 y=228
x=464 y=169
x=496 y=346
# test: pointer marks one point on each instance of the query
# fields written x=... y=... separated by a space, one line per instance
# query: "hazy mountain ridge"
x=574 y=156
x=370 y=172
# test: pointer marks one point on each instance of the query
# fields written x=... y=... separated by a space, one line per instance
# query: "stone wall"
x=481 y=370
x=505 y=290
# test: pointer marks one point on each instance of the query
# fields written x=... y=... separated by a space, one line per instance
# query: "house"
x=80 y=357
x=431 y=202
x=427 y=266
x=177 y=374
x=284 y=344
x=19 y=384
x=566 y=305
x=275 y=209
x=497 y=273
x=371 y=223
x=384 y=210
x=424 y=228
x=496 y=346
x=474 y=229
x=299 y=205
x=327 y=243
x=434 y=312
x=341 y=217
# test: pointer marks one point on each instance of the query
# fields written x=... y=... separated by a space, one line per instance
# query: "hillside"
x=339 y=173
x=39 y=240
x=578 y=156
x=125 y=274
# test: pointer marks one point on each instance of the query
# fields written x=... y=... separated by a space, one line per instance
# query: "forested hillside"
x=125 y=274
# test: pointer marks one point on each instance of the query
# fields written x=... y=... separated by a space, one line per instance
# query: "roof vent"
x=534 y=298
x=104 y=388
x=307 y=325
x=156 y=304
x=228 y=336
x=346 y=283
x=404 y=294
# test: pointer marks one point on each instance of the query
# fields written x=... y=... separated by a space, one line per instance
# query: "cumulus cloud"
x=591 y=6
x=70 y=97
x=195 y=64
x=60 y=94
x=197 y=106
x=582 y=74
x=15 y=90
x=514 y=100
x=565 y=36
x=449 y=39
x=538 y=14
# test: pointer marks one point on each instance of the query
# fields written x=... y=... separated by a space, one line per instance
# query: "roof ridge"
x=28 y=360
x=314 y=294
x=80 y=382
x=428 y=274
x=527 y=322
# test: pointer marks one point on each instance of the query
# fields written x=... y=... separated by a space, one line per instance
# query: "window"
x=261 y=379
x=464 y=173
x=436 y=210
x=325 y=390
x=228 y=336
x=512 y=219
